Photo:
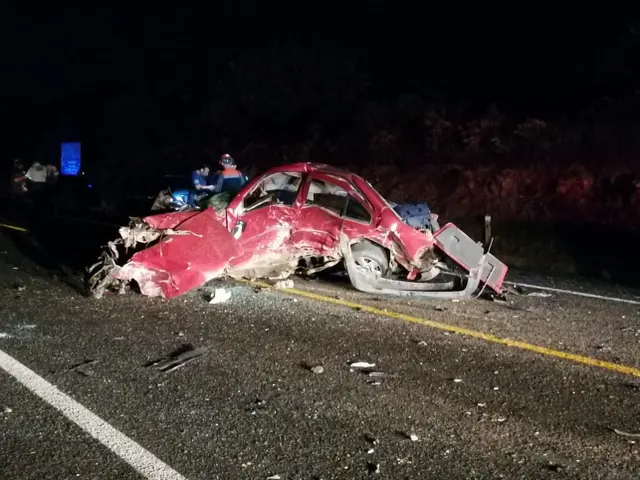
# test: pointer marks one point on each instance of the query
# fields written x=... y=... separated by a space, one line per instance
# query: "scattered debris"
x=6 y=409
x=83 y=368
x=19 y=287
x=422 y=343
x=178 y=358
x=371 y=439
x=626 y=434
x=370 y=451
x=374 y=383
x=220 y=295
x=457 y=380
x=539 y=294
x=520 y=290
x=284 y=284
x=256 y=406
x=4 y=335
x=373 y=467
x=409 y=436
x=634 y=385
x=438 y=308
x=318 y=369
x=26 y=326
x=274 y=477
x=553 y=467
x=603 y=348
x=362 y=365
x=377 y=374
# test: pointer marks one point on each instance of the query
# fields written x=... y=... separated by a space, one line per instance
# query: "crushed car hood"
x=198 y=250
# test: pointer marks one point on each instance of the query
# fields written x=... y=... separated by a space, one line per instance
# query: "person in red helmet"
x=229 y=178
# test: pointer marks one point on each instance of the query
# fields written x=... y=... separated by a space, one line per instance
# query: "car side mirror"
x=238 y=229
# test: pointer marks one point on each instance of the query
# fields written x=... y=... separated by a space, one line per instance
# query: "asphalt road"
x=250 y=407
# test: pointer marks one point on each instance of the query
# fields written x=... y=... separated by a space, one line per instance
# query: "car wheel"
x=371 y=257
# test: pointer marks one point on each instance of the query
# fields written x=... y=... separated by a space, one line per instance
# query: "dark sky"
x=480 y=50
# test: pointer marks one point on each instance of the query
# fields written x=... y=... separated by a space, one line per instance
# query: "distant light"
x=70 y=159
x=90 y=186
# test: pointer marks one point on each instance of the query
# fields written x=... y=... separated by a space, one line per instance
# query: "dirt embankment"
x=534 y=194
x=559 y=220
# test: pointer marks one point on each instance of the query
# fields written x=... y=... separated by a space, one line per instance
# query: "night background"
x=490 y=102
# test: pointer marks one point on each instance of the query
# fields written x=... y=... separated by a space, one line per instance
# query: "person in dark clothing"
x=229 y=178
x=200 y=185
x=18 y=178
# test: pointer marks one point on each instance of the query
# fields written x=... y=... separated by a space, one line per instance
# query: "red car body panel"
x=183 y=261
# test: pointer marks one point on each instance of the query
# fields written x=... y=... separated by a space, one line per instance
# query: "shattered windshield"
x=280 y=188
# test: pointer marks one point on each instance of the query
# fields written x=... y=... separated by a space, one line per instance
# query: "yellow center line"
x=488 y=337
x=13 y=227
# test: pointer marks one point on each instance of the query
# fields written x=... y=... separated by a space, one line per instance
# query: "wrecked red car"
x=298 y=218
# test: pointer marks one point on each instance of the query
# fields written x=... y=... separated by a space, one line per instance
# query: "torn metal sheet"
x=297 y=218
x=177 y=359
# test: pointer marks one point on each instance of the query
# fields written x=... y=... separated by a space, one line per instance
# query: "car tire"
x=371 y=257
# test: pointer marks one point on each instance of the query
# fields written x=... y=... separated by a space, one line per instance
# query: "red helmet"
x=226 y=160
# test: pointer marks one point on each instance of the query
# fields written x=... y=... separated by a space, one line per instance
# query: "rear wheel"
x=371 y=257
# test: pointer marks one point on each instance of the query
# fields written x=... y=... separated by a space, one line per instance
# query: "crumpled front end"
x=183 y=251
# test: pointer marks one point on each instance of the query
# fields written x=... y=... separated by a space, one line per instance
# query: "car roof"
x=308 y=167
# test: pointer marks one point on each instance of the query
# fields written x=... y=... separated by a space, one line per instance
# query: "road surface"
x=251 y=407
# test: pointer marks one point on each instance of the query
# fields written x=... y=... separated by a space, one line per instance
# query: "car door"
x=267 y=212
x=331 y=205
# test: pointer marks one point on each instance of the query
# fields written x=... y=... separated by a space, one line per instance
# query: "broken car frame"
x=297 y=218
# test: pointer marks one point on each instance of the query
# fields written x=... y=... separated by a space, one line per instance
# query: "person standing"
x=229 y=178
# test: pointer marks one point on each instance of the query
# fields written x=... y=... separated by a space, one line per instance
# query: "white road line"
x=140 y=459
x=574 y=292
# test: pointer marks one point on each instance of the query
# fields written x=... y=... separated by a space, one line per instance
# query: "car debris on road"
x=626 y=434
x=362 y=365
x=179 y=358
x=220 y=295
x=298 y=218
x=83 y=368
